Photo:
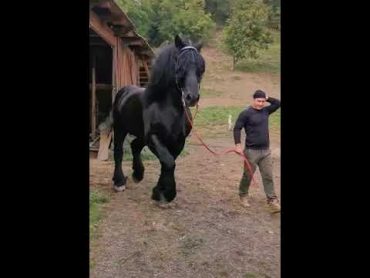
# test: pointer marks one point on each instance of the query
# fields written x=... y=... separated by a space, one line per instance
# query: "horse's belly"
x=132 y=116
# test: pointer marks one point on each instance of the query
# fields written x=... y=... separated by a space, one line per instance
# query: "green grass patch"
x=213 y=121
x=210 y=93
x=216 y=115
x=275 y=120
x=97 y=199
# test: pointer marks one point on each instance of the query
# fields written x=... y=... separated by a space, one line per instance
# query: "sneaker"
x=244 y=201
x=274 y=204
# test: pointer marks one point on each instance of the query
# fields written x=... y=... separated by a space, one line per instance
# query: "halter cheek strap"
x=189 y=47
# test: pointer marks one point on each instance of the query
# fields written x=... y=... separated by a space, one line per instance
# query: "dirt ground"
x=206 y=233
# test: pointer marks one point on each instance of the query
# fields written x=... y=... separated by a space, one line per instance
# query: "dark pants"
x=262 y=159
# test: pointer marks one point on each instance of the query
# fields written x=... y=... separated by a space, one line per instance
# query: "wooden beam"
x=137 y=48
x=121 y=15
x=102 y=4
x=114 y=72
x=102 y=87
x=98 y=44
x=130 y=34
x=132 y=40
x=146 y=68
x=103 y=13
x=101 y=29
x=97 y=41
x=93 y=99
x=143 y=54
x=110 y=12
x=121 y=30
x=134 y=43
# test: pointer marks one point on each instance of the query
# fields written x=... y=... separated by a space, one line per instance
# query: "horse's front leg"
x=165 y=190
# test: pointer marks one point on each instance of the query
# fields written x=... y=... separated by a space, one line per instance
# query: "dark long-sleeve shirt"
x=255 y=124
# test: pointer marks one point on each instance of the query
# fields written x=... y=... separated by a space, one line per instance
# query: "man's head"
x=259 y=99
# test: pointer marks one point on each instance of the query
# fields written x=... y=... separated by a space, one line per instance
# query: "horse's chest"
x=175 y=126
x=168 y=124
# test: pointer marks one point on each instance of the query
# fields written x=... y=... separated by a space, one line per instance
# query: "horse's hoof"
x=163 y=205
x=119 y=188
x=136 y=179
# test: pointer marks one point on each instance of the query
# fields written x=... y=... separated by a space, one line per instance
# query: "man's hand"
x=238 y=148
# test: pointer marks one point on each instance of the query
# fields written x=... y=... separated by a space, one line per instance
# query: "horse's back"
x=125 y=93
x=128 y=109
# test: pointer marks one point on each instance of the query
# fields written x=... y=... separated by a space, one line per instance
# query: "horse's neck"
x=169 y=96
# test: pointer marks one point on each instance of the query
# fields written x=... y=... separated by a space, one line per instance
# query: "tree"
x=160 y=20
x=139 y=12
x=183 y=17
x=219 y=9
x=246 y=31
x=274 y=14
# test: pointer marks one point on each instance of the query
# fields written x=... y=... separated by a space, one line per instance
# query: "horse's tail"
x=118 y=96
x=107 y=124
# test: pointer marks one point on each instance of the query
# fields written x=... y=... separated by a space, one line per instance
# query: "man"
x=254 y=120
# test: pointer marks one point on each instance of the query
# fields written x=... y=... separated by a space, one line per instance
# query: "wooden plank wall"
x=127 y=68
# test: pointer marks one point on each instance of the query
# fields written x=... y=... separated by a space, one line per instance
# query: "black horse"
x=156 y=115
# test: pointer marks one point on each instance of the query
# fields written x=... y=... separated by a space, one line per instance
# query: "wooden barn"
x=119 y=56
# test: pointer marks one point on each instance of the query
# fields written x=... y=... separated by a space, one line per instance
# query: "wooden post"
x=138 y=71
x=146 y=68
x=114 y=82
x=93 y=99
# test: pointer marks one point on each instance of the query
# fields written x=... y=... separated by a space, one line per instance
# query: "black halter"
x=187 y=47
x=182 y=50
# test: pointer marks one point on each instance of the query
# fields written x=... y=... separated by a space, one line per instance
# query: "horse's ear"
x=199 y=46
x=178 y=42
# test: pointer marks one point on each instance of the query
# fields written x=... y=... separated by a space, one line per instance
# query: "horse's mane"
x=163 y=69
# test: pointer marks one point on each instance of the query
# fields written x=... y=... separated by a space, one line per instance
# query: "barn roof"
x=122 y=26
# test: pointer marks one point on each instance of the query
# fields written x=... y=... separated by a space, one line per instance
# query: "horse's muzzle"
x=191 y=101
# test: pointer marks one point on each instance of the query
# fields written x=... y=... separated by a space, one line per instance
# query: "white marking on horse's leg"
x=119 y=188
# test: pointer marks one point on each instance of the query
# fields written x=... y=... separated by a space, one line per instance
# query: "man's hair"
x=259 y=94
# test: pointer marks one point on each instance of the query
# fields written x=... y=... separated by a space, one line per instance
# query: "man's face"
x=259 y=103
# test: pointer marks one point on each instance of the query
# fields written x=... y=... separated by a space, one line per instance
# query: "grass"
x=268 y=61
x=216 y=115
x=213 y=121
x=97 y=199
x=275 y=121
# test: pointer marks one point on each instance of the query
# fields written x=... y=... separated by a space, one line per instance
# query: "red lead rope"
x=246 y=162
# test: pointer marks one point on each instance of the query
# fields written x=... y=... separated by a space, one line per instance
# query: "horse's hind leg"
x=137 y=165
x=119 y=179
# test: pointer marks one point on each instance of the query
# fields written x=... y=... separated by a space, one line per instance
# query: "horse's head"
x=190 y=67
